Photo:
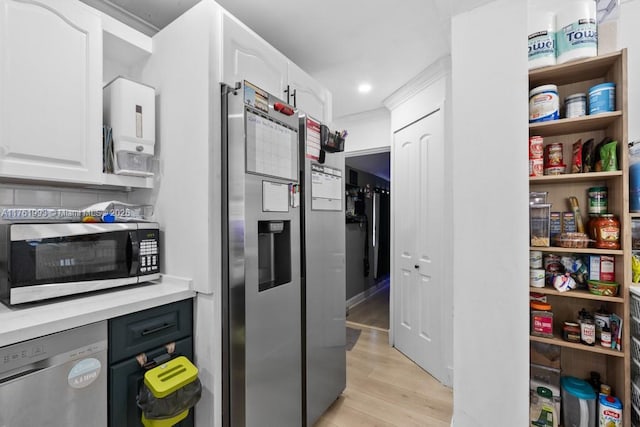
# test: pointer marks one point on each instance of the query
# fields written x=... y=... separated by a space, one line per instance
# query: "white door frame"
x=378 y=150
x=367 y=151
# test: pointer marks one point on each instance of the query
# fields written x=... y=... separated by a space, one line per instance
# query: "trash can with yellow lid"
x=168 y=392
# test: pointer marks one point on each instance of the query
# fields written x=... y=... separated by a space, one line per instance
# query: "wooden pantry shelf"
x=594 y=251
x=575 y=177
x=576 y=293
x=574 y=125
x=577 y=346
x=586 y=69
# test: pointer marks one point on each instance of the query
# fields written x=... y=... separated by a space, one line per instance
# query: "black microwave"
x=42 y=261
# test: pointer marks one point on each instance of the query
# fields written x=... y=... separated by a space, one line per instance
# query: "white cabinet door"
x=50 y=91
x=418 y=278
x=246 y=56
x=310 y=96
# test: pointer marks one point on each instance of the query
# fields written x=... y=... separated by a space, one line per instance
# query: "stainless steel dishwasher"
x=56 y=380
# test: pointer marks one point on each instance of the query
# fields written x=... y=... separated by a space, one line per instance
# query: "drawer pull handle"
x=158 y=329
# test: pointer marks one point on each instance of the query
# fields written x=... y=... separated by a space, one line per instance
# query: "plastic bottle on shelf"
x=543 y=412
x=609 y=411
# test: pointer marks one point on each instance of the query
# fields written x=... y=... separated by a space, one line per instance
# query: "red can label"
x=607 y=268
x=536 y=167
x=535 y=147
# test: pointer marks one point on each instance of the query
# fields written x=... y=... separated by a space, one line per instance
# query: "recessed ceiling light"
x=364 y=88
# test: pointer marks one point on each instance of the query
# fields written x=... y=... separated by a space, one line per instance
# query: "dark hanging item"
x=366 y=247
x=331 y=142
x=353 y=177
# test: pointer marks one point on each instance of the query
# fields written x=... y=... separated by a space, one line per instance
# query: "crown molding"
x=119 y=13
x=438 y=69
x=363 y=115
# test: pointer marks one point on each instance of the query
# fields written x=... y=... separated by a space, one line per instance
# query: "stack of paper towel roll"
x=542 y=38
x=562 y=35
x=577 y=35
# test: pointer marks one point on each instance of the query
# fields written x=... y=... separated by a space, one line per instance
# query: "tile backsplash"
x=55 y=197
x=36 y=198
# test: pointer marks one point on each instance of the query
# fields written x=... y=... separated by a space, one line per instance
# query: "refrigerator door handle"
x=227 y=89
x=291 y=94
x=287 y=91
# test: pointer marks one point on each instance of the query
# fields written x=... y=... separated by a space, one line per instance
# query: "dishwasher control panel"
x=60 y=347
x=13 y=356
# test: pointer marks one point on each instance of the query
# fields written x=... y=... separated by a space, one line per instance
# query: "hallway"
x=384 y=388
x=374 y=311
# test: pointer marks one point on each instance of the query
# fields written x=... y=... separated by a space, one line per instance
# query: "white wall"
x=490 y=191
x=628 y=37
x=185 y=73
x=367 y=131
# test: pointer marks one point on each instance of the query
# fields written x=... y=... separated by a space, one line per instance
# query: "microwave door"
x=49 y=267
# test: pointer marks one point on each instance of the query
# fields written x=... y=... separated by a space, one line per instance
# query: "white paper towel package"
x=577 y=31
x=542 y=38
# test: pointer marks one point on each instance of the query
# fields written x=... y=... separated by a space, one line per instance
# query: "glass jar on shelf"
x=607 y=232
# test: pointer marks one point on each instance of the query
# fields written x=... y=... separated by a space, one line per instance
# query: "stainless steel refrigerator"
x=323 y=267
x=262 y=310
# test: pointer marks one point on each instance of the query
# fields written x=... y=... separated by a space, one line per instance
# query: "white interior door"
x=418 y=267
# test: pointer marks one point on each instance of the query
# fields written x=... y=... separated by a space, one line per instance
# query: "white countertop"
x=27 y=321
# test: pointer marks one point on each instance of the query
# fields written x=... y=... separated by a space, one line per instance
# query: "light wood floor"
x=384 y=388
x=374 y=311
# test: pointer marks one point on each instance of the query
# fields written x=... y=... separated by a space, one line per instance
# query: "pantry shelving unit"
x=575 y=125
x=578 y=294
x=594 y=251
x=557 y=340
x=579 y=359
x=575 y=177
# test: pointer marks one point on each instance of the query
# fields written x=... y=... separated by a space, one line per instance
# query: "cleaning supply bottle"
x=610 y=411
x=543 y=412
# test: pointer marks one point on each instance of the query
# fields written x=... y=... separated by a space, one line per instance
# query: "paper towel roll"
x=542 y=38
x=577 y=31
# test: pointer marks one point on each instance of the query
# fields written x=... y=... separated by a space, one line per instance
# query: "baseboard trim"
x=367 y=293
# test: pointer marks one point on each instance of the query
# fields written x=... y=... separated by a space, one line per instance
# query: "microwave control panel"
x=149 y=255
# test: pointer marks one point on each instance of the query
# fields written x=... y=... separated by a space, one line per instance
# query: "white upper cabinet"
x=246 y=56
x=310 y=97
x=50 y=91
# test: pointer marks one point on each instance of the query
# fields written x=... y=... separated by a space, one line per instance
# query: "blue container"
x=634 y=187
x=578 y=402
x=602 y=98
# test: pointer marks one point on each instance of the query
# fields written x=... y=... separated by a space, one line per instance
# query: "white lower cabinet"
x=50 y=91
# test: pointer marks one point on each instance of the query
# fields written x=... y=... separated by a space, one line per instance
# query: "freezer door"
x=262 y=344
